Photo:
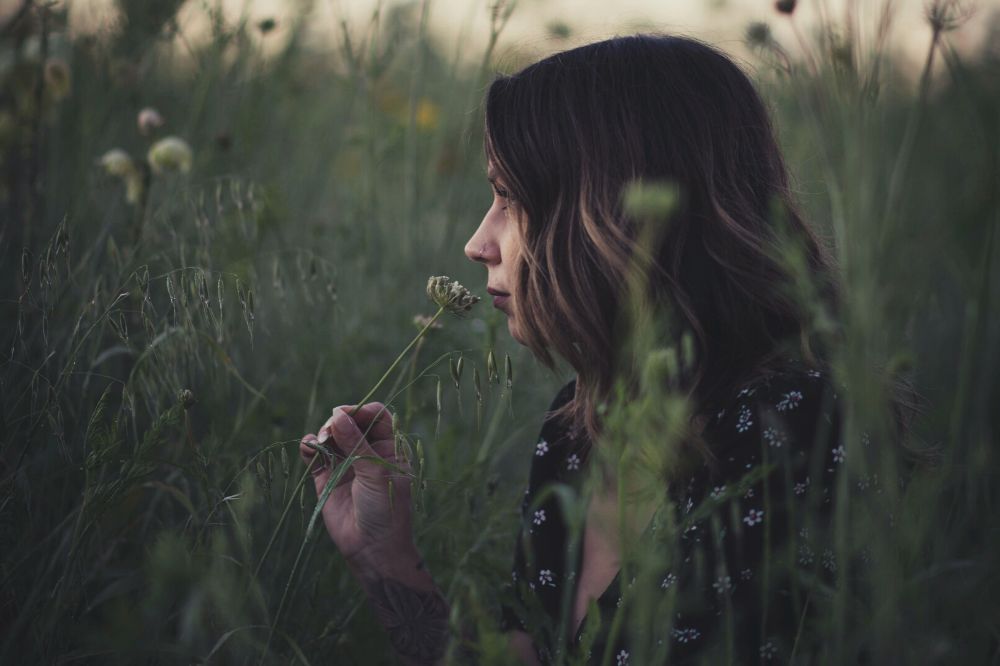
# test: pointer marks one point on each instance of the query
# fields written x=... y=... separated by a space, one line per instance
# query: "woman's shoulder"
x=794 y=409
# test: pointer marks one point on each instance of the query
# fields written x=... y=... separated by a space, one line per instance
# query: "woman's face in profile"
x=496 y=244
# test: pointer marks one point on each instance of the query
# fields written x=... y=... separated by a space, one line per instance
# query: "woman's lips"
x=500 y=300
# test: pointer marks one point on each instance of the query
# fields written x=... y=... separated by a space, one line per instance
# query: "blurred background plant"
x=259 y=251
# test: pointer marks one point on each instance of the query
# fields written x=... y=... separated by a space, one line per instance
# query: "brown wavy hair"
x=568 y=135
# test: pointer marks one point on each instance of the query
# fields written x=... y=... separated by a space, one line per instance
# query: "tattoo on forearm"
x=416 y=621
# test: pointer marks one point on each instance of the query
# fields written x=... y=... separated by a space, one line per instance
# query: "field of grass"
x=168 y=334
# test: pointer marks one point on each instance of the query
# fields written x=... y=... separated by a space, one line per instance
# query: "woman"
x=564 y=140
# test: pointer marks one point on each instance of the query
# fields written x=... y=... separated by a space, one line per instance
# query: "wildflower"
x=186 y=398
x=450 y=295
x=427 y=114
x=148 y=120
x=170 y=154
x=117 y=163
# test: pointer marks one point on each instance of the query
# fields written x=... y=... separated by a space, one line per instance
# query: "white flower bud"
x=170 y=154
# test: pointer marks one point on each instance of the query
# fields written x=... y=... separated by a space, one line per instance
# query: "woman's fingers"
x=376 y=415
x=308 y=452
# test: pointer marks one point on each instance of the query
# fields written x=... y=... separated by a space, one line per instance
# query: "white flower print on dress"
x=800 y=487
x=573 y=462
x=541 y=448
x=754 y=517
x=748 y=494
x=774 y=437
x=723 y=584
x=789 y=401
x=743 y=420
x=839 y=454
x=545 y=578
x=621 y=659
x=815 y=374
x=718 y=492
x=667 y=581
x=829 y=561
x=866 y=439
x=768 y=651
x=720 y=414
x=686 y=635
x=746 y=574
x=539 y=517
x=747 y=391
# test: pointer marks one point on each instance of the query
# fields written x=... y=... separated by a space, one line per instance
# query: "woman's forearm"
x=409 y=606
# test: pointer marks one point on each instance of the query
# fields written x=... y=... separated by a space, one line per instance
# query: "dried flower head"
x=148 y=120
x=946 y=15
x=170 y=154
x=450 y=295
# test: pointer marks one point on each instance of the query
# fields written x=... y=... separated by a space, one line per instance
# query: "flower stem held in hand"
x=449 y=296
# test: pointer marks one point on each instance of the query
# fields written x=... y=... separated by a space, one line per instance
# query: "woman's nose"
x=479 y=249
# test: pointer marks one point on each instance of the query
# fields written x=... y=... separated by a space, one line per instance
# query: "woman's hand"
x=366 y=524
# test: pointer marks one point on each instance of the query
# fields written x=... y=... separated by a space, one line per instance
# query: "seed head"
x=946 y=15
x=186 y=398
x=170 y=154
x=450 y=295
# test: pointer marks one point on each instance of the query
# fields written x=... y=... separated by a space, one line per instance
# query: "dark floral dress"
x=746 y=535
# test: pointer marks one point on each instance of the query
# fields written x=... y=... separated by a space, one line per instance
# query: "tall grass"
x=162 y=359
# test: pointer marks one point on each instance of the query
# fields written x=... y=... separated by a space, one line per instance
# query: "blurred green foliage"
x=279 y=276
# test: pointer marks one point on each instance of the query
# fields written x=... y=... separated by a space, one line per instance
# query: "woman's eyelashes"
x=503 y=194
